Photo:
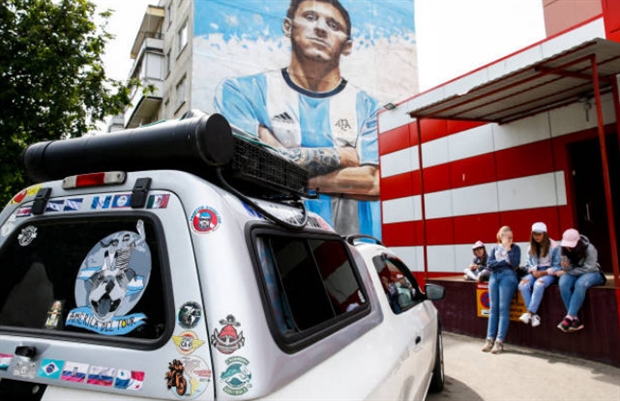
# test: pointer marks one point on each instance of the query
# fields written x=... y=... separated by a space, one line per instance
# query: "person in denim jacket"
x=478 y=271
x=504 y=259
x=580 y=271
x=542 y=263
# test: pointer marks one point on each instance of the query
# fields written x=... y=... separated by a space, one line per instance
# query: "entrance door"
x=589 y=192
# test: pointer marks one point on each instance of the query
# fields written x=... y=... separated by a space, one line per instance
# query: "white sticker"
x=27 y=235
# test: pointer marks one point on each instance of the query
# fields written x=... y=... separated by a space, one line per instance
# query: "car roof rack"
x=200 y=144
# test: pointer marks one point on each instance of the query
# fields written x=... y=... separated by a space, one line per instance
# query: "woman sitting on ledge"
x=580 y=271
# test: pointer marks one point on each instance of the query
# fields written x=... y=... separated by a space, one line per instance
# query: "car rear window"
x=97 y=277
x=311 y=283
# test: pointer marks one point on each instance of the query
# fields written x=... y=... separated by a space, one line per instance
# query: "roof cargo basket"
x=199 y=144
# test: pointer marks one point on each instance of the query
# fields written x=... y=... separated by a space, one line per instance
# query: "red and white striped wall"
x=446 y=184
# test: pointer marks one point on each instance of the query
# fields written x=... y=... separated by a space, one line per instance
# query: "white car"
x=167 y=263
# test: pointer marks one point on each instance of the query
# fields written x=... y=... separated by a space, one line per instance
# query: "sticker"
x=7 y=228
x=30 y=191
x=188 y=377
x=50 y=368
x=251 y=211
x=24 y=211
x=228 y=340
x=158 y=201
x=101 y=202
x=101 y=376
x=129 y=380
x=27 y=235
x=120 y=201
x=25 y=368
x=236 y=376
x=187 y=342
x=54 y=314
x=189 y=315
x=5 y=361
x=73 y=205
x=74 y=372
x=55 y=206
x=205 y=220
x=110 y=282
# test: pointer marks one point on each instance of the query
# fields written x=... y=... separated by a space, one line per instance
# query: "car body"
x=197 y=291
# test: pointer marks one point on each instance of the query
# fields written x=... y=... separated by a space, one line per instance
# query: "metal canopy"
x=552 y=82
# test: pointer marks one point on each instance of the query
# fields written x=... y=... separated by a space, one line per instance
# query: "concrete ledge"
x=598 y=341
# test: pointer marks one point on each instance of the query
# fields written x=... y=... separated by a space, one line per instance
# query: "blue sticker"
x=73 y=205
x=120 y=201
x=51 y=368
x=55 y=206
x=101 y=202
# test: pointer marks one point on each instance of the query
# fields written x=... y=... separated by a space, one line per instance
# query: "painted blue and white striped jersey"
x=344 y=116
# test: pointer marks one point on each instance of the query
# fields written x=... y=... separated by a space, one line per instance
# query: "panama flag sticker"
x=51 y=368
x=129 y=380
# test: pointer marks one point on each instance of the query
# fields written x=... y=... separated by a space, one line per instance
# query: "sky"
x=453 y=36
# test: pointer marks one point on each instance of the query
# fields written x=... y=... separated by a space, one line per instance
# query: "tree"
x=52 y=81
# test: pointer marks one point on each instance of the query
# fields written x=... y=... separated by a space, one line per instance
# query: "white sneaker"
x=498 y=347
x=526 y=317
x=535 y=321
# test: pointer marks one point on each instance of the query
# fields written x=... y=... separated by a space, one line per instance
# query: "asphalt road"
x=521 y=374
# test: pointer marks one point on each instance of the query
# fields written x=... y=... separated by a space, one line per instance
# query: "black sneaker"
x=566 y=324
x=575 y=325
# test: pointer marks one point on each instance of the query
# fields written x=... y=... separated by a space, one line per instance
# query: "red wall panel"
x=394 y=140
x=439 y=231
x=433 y=129
x=531 y=159
x=401 y=185
x=436 y=178
x=401 y=234
x=472 y=171
x=469 y=229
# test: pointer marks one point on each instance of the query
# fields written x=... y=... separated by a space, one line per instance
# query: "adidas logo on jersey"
x=283 y=118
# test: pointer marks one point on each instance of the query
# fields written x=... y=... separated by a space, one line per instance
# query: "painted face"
x=318 y=31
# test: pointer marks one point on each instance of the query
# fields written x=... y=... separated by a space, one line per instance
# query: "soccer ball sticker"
x=110 y=282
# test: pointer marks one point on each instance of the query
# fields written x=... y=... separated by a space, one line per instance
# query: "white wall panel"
x=441 y=258
x=527 y=192
x=438 y=204
x=391 y=119
x=435 y=152
x=473 y=142
x=521 y=132
x=474 y=199
x=402 y=209
x=594 y=29
x=412 y=256
x=402 y=161
x=560 y=188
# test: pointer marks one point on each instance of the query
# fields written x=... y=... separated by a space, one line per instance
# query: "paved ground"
x=521 y=374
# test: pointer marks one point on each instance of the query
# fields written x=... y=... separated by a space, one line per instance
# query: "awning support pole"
x=606 y=179
x=422 y=203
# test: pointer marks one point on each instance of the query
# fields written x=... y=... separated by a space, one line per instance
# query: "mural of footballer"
x=315 y=117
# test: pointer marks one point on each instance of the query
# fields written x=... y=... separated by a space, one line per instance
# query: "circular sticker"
x=188 y=376
x=110 y=282
x=189 y=315
x=187 y=342
x=205 y=219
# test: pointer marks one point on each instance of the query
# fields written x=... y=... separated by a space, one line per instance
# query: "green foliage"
x=52 y=81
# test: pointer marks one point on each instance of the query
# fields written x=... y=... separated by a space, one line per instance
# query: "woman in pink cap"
x=580 y=271
x=478 y=271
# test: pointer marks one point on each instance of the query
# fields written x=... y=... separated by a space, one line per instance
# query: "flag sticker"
x=74 y=372
x=101 y=202
x=158 y=201
x=72 y=205
x=129 y=380
x=5 y=361
x=122 y=200
x=24 y=211
x=51 y=368
x=101 y=376
x=55 y=206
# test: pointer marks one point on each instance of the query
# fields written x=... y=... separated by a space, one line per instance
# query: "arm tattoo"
x=318 y=161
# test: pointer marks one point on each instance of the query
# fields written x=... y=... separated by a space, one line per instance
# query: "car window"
x=99 y=278
x=309 y=282
x=398 y=283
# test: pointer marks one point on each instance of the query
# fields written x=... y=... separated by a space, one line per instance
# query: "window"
x=181 y=92
x=169 y=11
x=95 y=278
x=310 y=282
x=399 y=285
x=182 y=37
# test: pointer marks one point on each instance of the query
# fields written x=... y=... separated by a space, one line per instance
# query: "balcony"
x=144 y=108
x=149 y=28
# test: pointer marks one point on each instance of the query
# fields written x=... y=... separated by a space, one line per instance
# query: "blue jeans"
x=573 y=290
x=502 y=287
x=533 y=298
